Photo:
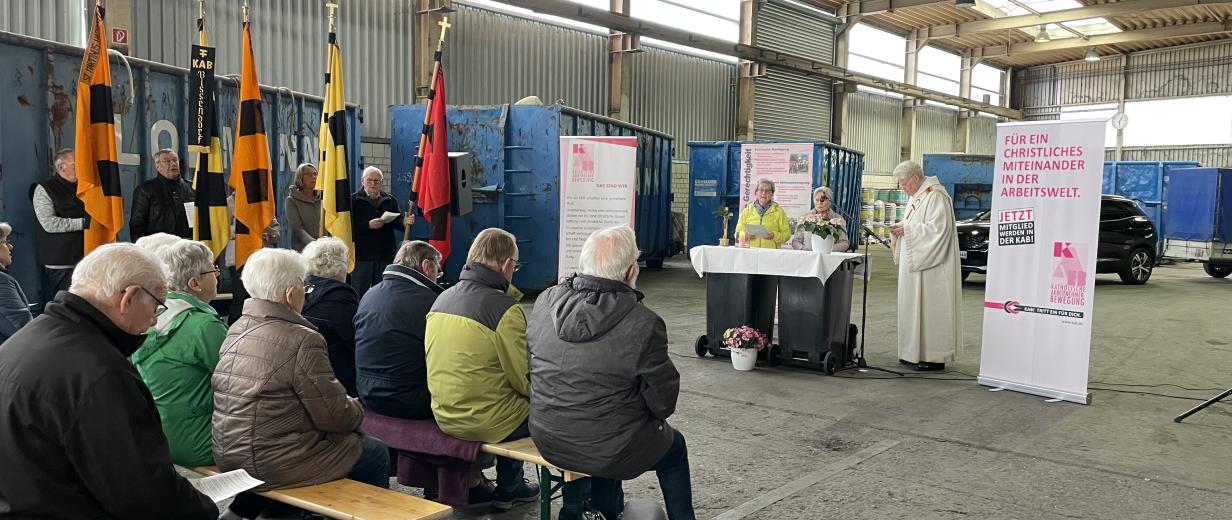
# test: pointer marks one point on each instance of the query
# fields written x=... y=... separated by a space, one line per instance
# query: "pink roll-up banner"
x=598 y=189
x=1039 y=297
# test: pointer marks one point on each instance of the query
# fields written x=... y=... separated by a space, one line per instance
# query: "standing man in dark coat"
x=389 y=334
x=374 y=236
x=79 y=434
x=602 y=386
x=158 y=204
x=62 y=220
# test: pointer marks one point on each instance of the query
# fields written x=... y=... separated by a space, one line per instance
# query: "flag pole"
x=423 y=137
x=332 y=6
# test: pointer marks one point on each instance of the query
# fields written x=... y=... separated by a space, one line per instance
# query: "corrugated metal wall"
x=983 y=135
x=494 y=58
x=1205 y=155
x=688 y=97
x=787 y=104
x=289 y=38
x=874 y=125
x=1188 y=71
x=935 y=130
x=55 y=20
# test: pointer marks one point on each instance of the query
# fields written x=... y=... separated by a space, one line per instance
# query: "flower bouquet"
x=744 y=342
x=822 y=232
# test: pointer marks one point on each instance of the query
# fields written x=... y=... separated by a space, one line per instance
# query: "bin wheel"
x=701 y=346
x=827 y=364
x=773 y=355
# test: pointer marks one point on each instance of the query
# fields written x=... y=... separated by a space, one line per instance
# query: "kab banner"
x=598 y=188
x=1039 y=295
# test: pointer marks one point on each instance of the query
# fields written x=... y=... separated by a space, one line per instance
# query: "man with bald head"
x=79 y=434
x=375 y=239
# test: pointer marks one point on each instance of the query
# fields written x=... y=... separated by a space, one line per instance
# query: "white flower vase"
x=743 y=359
x=822 y=245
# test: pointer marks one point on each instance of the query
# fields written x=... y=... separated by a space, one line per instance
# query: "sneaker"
x=525 y=493
x=930 y=367
x=481 y=494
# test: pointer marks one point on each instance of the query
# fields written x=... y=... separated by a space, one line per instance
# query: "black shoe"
x=930 y=367
x=905 y=362
x=431 y=494
x=525 y=493
x=481 y=494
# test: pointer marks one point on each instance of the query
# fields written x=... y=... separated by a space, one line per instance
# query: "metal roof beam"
x=880 y=6
x=1175 y=31
x=622 y=23
x=1121 y=8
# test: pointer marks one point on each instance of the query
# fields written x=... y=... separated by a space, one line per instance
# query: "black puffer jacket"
x=602 y=386
x=330 y=307
x=158 y=207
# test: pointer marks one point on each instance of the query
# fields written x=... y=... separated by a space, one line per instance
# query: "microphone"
x=868 y=233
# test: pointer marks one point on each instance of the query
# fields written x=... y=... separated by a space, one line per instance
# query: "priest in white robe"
x=925 y=247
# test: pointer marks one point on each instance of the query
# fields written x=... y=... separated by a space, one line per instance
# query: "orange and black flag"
x=334 y=181
x=212 y=223
x=98 y=173
x=250 y=166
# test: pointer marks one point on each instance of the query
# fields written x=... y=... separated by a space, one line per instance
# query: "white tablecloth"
x=778 y=262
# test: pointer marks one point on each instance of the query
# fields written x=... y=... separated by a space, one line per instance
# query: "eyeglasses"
x=161 y=306
x=215 y=270
x=517 y=265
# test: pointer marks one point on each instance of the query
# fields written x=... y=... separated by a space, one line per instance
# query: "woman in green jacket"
x=763 y=211
x=179 y=354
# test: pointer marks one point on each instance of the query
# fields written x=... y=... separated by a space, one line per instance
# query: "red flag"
x=432 y=185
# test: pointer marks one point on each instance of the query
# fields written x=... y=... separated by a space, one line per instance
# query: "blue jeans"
x=373 y=464
x=608 y=496
x=509 y=473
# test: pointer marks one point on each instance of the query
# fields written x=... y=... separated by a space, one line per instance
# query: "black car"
x=1126 y=241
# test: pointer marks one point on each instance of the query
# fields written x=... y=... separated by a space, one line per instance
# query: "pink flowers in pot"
x=744 y=337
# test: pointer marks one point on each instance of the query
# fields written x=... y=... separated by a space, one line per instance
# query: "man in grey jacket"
x=596 y=351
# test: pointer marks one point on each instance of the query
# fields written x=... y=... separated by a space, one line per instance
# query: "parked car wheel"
x=1138 y=267
x=1217 y=271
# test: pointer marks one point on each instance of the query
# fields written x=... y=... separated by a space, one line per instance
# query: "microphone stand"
x=861 y=362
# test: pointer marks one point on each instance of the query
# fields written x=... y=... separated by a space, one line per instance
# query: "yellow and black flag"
x=250 y=166
x=211 y=222
x=98 y=173
x=334 y=181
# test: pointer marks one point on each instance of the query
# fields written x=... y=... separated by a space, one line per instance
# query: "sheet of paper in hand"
x=389 y=216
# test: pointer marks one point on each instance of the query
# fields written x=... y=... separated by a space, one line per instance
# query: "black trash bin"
x=734 y=300
x=814 y=319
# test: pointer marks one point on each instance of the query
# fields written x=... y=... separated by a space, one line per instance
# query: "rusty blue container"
x=714 y=182
x=150 y=101
x=516 y=187
x=1145 y=183
x=966 y=177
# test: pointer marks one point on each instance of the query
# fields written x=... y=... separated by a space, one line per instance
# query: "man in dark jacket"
x=62 y=218
x=79 y=434
x=389 y=335
x=597 y=352
x=372 y=230
x=158 y=204
x=330 y=305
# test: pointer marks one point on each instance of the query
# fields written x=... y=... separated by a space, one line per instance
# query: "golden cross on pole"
x=445 y=25
x=332 y=6
x=201 y=8
x=245 y=11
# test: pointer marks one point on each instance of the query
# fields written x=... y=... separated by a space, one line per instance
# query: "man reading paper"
x=929 y=282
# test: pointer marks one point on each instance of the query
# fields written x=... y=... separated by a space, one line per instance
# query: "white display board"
x=1039 y=295
x=598 y=189
x=789 y=165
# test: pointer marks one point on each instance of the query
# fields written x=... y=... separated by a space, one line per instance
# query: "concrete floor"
x=958 y=450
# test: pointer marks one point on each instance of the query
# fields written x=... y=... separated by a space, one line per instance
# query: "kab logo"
x=1010 y=307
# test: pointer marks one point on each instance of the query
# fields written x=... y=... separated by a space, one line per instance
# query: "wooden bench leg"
x=545 y=493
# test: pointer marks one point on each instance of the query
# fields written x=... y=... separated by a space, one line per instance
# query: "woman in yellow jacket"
x=763 y=211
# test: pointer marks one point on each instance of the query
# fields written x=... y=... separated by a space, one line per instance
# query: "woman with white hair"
x=304 y=207
x=14 y=307
x=279 y=412
x=767 y=214
x=177 y=359
x=331 y=305
x=823 y=200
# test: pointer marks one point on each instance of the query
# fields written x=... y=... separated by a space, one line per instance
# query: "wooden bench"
x=350 y=500
x=525 y=450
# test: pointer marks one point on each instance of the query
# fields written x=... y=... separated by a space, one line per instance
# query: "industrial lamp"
x=1042 y=35
x=965 y=4
x=1092 y=55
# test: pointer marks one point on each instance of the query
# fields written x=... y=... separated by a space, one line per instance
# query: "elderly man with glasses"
x=80 y=437
x=179 y=354
x=158 y=204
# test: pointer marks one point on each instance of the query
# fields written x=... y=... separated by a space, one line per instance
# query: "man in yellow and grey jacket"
x=475 y=351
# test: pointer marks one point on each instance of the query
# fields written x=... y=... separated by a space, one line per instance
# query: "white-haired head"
x=909 y=175
x=124 y=282
x=372 y=180
x=276 y=275
x=189 y=266
x=327 y=257
x=610 y=253
x=420 y=256
x=153 y=243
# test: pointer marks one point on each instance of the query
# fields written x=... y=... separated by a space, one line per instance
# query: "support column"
x=745 y=72
x=620 y=49
x=842 y=46
x=428 y=14
x=962 y=134
x=1120 y=138
x=911 y=75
